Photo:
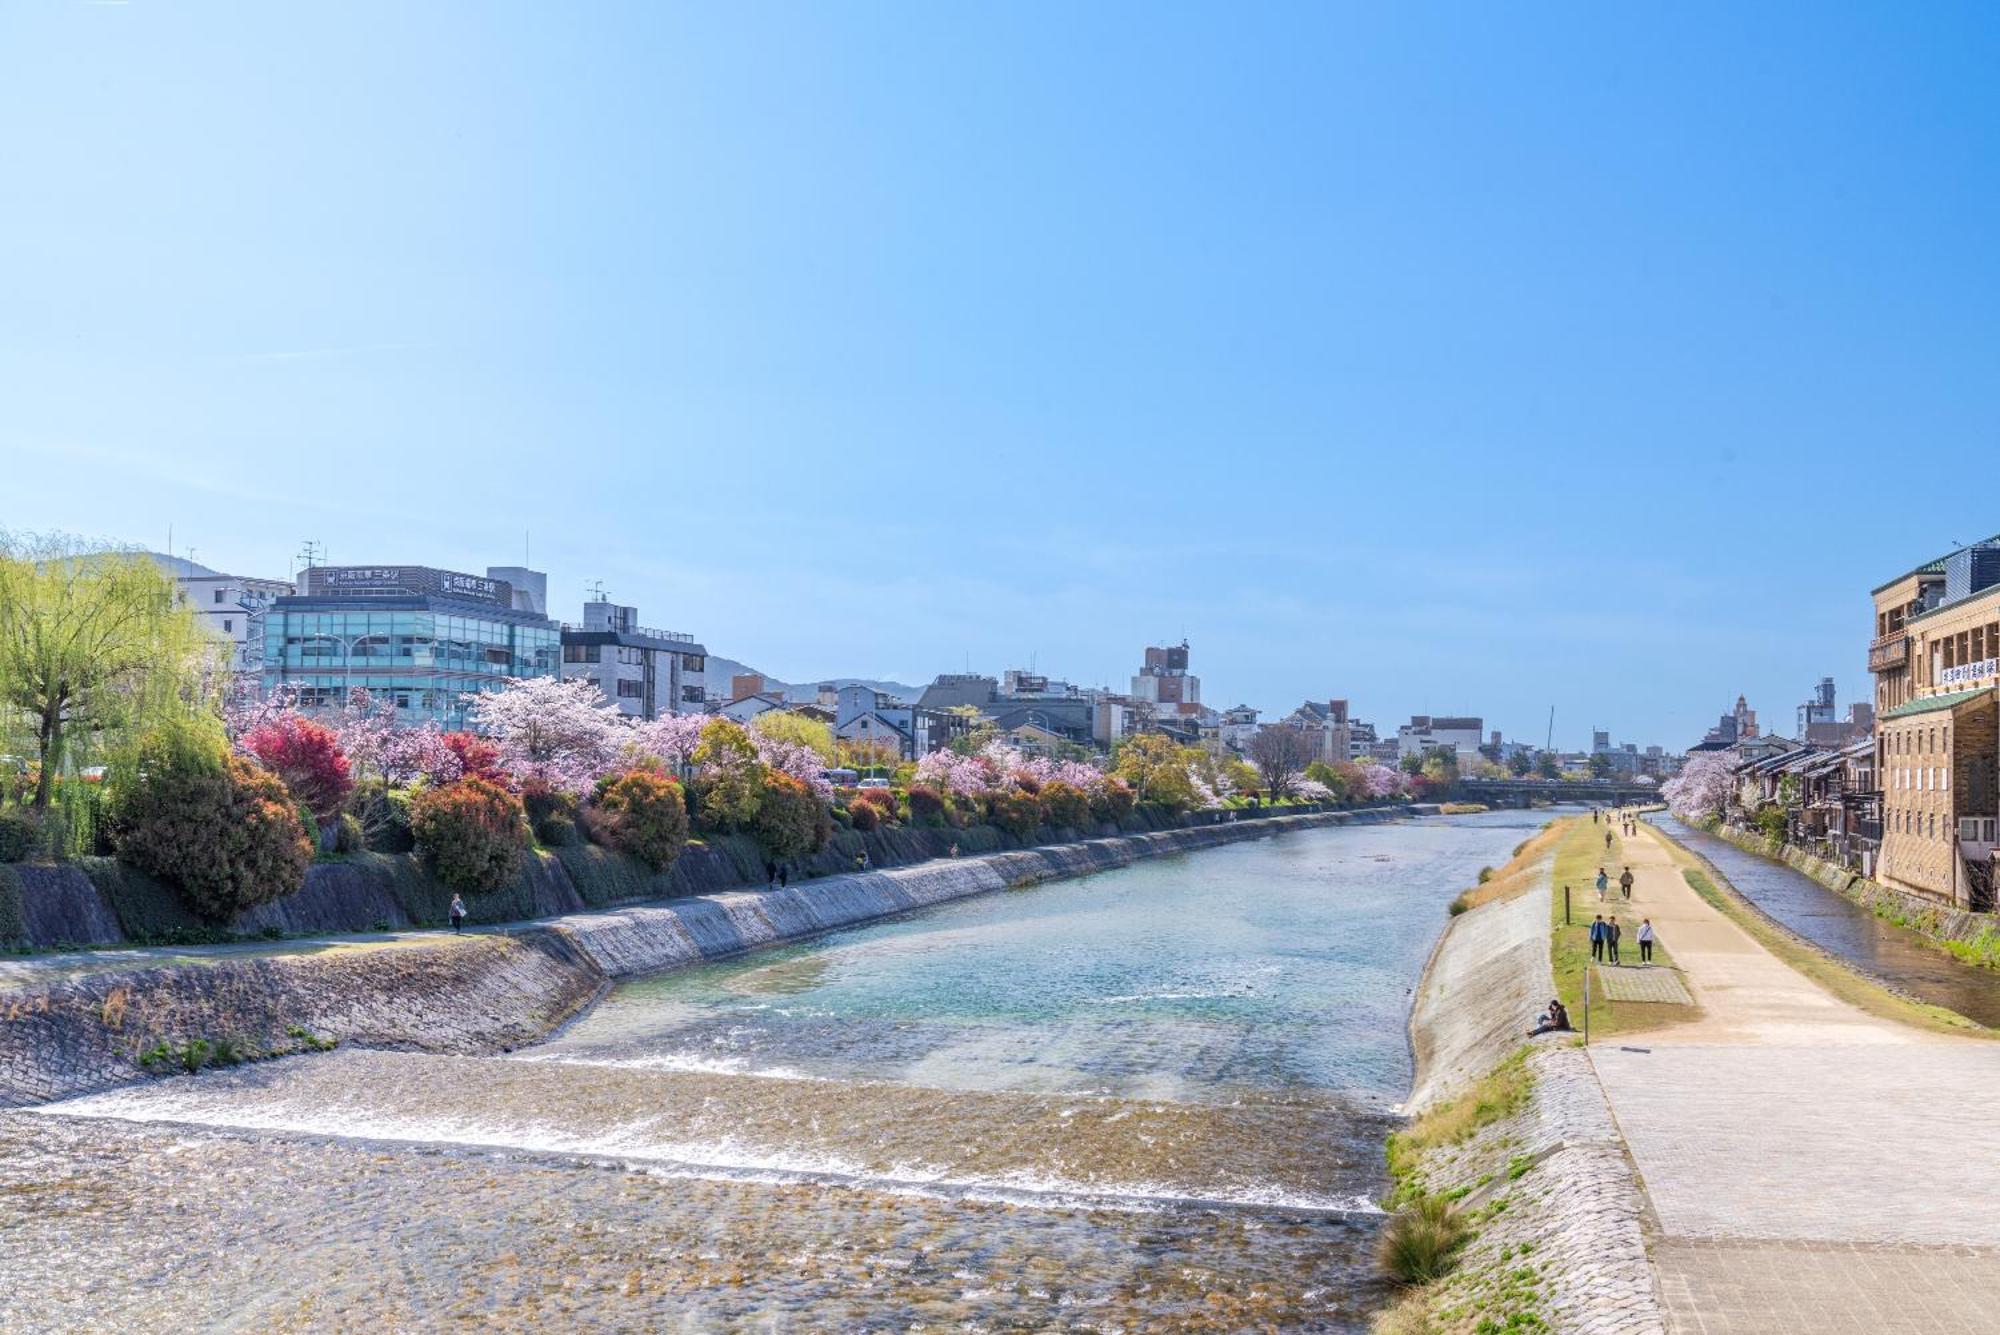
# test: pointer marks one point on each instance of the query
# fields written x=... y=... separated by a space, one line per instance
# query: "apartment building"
x=1935 y=657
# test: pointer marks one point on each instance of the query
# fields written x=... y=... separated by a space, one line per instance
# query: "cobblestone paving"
x=1568 y=1211
x=1825 y=1144
x=1809 y=1165
x=1643 y=984
x=1758 y=1288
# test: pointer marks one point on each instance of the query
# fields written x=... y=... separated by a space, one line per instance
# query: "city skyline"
x=1478 y=365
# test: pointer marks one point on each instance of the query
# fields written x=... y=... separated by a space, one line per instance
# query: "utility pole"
x=1549 y=742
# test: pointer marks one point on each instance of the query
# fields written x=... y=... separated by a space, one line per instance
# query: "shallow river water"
x=1149 y=1099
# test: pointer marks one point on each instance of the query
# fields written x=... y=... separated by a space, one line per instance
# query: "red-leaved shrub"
x=791 y=820
x=1015 y=811
x=477 y=758
x=864 y=816
x=307 y=756
x=644 y=814
x=926 y=805
x=471 y=834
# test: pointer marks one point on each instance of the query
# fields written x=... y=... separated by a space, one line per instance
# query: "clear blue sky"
x=1443 y=358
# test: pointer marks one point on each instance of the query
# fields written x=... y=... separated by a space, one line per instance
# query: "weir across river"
x=1149 y=1098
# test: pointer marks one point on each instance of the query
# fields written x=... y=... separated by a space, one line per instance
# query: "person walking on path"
x=1611 y=934
x=1603 y=884
x=457 y=914
x=1625 y=882
x=1645 y=941
x=1597 y=938
x=1607 y=834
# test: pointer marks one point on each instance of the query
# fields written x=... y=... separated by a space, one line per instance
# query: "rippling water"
x=1149 y=1099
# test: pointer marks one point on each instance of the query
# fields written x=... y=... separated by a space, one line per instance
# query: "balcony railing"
x=679 y=637
x=1889 y=651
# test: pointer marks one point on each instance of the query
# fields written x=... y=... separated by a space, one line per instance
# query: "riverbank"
x=1517 y=1134
x=1857 y=957
x=100 y=901
x=1973 y=938
x=80 y=1024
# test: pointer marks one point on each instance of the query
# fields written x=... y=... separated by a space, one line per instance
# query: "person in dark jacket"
x=1597 y=938
x=1554 y=1019
x=457 y=914
x=1625 y=883
x=1611 y=935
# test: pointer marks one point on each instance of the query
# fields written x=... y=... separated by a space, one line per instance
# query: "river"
x=1894 y=955
x=1147 y=1099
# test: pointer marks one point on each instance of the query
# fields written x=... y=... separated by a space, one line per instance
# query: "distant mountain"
x=720 y=670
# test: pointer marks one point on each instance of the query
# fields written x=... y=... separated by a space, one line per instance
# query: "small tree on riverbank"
x=1281 y=753
x=96 y=651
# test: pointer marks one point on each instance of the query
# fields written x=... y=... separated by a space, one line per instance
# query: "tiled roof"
x=1934 y=702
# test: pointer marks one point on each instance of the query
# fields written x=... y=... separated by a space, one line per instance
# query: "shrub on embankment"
x=223 y=832
x=106 y=902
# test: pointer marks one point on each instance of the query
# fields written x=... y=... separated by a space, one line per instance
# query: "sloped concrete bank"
x=496 y=991
x=1551 y=1193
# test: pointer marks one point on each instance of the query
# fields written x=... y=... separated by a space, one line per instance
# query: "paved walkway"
x=1810 y=1167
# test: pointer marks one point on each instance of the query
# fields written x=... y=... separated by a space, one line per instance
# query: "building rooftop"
x=1931 y=703
x=1936 y=566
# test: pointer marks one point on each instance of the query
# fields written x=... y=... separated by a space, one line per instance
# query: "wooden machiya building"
x=1936 y=662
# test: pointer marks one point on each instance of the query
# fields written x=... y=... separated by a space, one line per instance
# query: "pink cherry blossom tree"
x=1703 y=789
x=561 y=732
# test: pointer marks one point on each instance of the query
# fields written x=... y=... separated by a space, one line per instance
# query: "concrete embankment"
x=86 y=1030
x=1974 y=937
x=1553 y=1199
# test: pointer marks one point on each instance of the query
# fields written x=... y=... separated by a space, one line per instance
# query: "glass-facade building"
x=420 y=638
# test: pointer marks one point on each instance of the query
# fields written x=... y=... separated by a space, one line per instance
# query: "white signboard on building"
x=1967 y=673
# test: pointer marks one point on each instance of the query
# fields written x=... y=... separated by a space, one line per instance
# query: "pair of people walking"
x=1605 y=934
x=1604 y=884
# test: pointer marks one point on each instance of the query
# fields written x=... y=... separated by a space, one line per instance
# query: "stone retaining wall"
x=1977 y=933
x=1551 y=1193
x=469 y=994
x=495 y=991
x=1557 y=1212
x=100 y=902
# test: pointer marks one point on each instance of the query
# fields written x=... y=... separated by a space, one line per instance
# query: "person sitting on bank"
x=1553 y=1020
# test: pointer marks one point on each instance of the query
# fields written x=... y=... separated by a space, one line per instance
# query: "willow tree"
x=96 y=651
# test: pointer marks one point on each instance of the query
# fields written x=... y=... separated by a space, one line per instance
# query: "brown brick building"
x=1936 y=661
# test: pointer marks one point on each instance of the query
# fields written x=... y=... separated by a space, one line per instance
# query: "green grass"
x=1500 y=1093
x=1579 y=854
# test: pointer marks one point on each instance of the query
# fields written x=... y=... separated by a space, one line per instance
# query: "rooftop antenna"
x=596 y=591
x=310 y=552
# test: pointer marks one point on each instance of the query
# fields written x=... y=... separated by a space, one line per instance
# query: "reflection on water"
x=1844 y=928
x=1147 y=1099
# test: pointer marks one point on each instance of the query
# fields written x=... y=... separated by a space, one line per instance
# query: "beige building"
x=1936 y=662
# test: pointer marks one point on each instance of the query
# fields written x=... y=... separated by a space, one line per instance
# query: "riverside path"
x=1809 y=1166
